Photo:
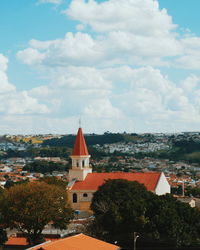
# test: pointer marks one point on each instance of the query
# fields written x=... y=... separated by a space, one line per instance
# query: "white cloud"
x=30 y=56
x=190 y=58
x=22 y=103
x=126 y=33
x=51 y=1
x=13 y=102
x=190 y=83
x=102 y=108
x=145 y=95
x=5 y=86
x=110 y=76
x=139 y=17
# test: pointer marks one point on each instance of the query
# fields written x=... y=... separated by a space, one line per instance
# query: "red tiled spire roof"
x=94 y=180
x=80 y=147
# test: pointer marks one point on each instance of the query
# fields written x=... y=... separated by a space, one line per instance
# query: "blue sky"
x=120 y=65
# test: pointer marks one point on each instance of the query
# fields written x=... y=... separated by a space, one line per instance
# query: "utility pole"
x=135 y=235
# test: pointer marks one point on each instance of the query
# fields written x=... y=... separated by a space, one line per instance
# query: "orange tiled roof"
x=77 y=242
x=80 y=147
x=94 y=180
x=16 y=241
x=21 y=241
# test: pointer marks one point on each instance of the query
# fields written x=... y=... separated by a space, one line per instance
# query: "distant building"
x=83 y=183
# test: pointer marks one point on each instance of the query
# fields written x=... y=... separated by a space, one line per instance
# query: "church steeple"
x=80 y=147
x=80 y=159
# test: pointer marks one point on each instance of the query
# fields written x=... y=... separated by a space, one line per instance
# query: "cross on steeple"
x=79 y=122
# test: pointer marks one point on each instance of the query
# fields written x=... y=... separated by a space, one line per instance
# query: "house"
x=77 y=242
x=83 y=183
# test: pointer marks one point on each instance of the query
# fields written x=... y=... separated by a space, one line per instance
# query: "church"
x=83 y=182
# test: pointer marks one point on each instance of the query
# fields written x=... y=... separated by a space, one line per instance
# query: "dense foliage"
x=122 y=207
x=52 y=180
x=32 y=152
x=3 y=233
x=45 y=167
x=93 y=139
x=29 y=207
x=193 y=191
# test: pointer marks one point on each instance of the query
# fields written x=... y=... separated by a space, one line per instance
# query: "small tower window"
x=74 y=198
x=77 y=164
x=85 y=195
x=83 y=163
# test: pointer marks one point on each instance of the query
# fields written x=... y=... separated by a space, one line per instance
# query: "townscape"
x=34 y=160
x=100 y=125
x=120 y=156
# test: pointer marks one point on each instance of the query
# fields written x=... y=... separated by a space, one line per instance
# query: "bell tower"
x=80 y=159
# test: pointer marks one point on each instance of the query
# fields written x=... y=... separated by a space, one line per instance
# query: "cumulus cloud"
x=30 y=56
x=13 y=102
x=140 y=17
x=5 y=86
x=145 y=95
x=126 y=32
x=102 y=108
x=110 y=70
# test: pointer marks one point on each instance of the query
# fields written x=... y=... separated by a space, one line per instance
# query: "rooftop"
x=77 y=242
x=94 y=180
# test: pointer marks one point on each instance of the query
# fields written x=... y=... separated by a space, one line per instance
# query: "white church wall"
x=163 y=186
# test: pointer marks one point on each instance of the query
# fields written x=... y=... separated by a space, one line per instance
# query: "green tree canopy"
x=52 y=180
x=172 y=221
x=123 y=207
x=3 y=233
x=29 y=207
x=119 y=208
x=45 y=167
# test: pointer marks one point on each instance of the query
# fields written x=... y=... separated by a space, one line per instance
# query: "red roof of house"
x=80 y=147
x=94 y=180
x=22 y=241
x=77 y=242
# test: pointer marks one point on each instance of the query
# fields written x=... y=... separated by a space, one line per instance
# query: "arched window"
x=74 y=198
x=77 y=164
x=85 y=195
x=83 y=163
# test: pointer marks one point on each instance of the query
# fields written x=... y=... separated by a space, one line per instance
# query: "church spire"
x=80 y=147
x=80 y=159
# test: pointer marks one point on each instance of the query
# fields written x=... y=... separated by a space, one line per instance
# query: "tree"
x=52 y=180
x=3 y=236
x=29 y=207
x=9 y=183
x=123 y=207
x=3 y=233
x=119 y=208
x=193 y=191
x=172 y=221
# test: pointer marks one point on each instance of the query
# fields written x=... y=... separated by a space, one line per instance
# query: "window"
x=85 y=195
x=77 y=164
x=74 y=198
x=83 y=163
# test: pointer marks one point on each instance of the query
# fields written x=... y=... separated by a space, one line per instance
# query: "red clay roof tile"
x=94 y=180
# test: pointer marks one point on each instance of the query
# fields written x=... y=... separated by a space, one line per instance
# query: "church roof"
x=94 y=180
x=80 y=147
